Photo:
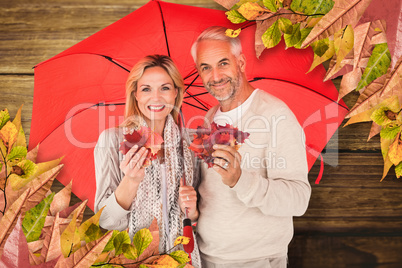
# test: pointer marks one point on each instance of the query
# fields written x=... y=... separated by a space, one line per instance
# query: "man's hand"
x=227 y=164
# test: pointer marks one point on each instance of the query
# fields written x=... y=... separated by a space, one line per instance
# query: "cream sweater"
x=253 y=220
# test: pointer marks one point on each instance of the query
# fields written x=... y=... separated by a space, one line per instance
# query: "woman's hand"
x=134 y=173
x=132 y=165
x=188 y=199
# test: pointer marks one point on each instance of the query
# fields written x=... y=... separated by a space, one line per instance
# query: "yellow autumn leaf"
x=184 y=240
x=387 y=165
x=70 y=238
x=164 y=261
x=9 y=134
x=326 y=56
x=252 y=11
x=395 y=150
x=233 y=33
x=343 y=43
x=85 y=225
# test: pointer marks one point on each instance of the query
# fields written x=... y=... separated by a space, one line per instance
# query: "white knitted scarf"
x=148 y=202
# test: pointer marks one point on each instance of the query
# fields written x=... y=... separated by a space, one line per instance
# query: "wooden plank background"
x=353 y=220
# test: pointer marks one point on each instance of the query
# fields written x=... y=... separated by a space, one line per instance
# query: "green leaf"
x=92 y=233
x=390 y=131
x=320 y=47
x=142 y=239
x=285 y=25
x=143 y=266
x=4 y=117
x=377 y=65
x=271 y=5
x=398 y=170
x=312 y=7
x=304 y=33
x=272 y=36
x=180 y=256
x=130 y=252
x=17 y=154
x=109 y=246
x=34 y=219
x=235 y=17
x=293 y=38
x=182 y=265
x=121 y=239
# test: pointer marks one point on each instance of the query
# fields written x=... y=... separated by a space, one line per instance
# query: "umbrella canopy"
x=81 y=91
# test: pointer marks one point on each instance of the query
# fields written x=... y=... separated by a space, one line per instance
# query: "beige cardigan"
x=253 y=220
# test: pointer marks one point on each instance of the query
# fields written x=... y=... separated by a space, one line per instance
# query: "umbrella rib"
x=164 y=28
x=262 y=78
x=196 y=95
x=186 y=91
x=196 y=106
x=112 y=61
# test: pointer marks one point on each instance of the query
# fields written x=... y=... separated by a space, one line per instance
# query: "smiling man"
x=247 y=203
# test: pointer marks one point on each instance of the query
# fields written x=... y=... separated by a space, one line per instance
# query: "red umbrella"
x=80 y=92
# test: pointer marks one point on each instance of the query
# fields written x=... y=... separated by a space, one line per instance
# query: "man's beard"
x=234 y=87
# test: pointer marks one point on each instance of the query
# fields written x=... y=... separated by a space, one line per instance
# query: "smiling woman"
x=134 y=194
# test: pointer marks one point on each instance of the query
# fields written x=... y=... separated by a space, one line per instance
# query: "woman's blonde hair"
x=132 y=113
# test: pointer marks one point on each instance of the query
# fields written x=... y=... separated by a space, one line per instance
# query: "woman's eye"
x=165 y=88
x=145 y=89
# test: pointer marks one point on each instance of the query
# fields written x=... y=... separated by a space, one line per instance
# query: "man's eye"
x=205 y=68
x=224 y=63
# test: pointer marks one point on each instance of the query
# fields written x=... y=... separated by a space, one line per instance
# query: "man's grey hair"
x=217 y=33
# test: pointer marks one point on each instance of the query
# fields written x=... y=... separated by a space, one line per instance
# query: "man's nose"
x=216 y=74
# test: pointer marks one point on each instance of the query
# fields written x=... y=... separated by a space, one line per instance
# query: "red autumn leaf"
x=15 y=252
x=205 y=138
x=143 y=137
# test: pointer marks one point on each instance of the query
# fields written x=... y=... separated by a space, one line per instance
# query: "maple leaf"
x=15 y=252
x=34 y=219
x=31 y=155
x=344 y=12
x=374 y=130
x=40 y=187
x=377 y=65
x=380 y=89
x=143 y=137
x=390 y=13
x=86 y=255
x=70 y=238
x=205 y=138
x=325 y=45
x=364 y=33
x=61 y=200
x=9 y=219
x=349 y=82
x=9 y=134
x=51 y=245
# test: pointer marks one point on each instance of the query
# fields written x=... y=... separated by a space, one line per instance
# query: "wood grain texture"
x=353 y=219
